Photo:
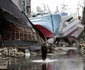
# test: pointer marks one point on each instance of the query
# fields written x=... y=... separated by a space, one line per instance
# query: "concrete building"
x=25 y=6
x=15 y=35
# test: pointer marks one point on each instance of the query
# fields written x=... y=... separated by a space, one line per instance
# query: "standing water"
x=53 y=62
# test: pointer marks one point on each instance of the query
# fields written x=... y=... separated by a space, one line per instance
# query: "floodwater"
x=53 y=62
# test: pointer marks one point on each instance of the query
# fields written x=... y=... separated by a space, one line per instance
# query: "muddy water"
x=53 y=62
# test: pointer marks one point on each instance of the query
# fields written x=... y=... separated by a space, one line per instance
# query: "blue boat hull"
x=48 y=25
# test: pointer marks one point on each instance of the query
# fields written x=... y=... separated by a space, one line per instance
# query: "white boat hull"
x=72 y=28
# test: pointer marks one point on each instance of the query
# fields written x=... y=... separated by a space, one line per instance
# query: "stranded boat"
x=58 y=25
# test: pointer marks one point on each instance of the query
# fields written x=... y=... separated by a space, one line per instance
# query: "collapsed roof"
x=14 y=15
x=11 y=11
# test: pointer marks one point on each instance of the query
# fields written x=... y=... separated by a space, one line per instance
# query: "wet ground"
x=53 y=62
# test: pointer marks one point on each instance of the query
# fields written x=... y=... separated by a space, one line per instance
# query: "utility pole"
x=83 y=20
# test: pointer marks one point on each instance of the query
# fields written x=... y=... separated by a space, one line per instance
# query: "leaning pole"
x=83 y=17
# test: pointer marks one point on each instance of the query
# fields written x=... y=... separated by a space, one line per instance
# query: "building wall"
x=25 y=6
x=28 y=7
x=20 y=33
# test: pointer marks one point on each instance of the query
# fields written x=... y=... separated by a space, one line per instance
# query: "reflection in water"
x=44 y=66
x=84 y=63
x=54 y=63
x=49 y=66
x=45 y=61
x=84 y=67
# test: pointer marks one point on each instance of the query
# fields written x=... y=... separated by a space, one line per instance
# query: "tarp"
x=14 y=14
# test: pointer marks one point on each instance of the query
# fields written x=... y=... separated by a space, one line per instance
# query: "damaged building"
x=15 y=28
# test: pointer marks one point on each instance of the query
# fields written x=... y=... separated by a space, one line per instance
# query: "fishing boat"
x=71 y=26
x=48 y=24
x=57 y=25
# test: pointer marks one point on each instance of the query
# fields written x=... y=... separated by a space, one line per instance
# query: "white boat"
x=70 y=26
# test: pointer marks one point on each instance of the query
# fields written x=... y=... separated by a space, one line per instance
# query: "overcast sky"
x=72 y=4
